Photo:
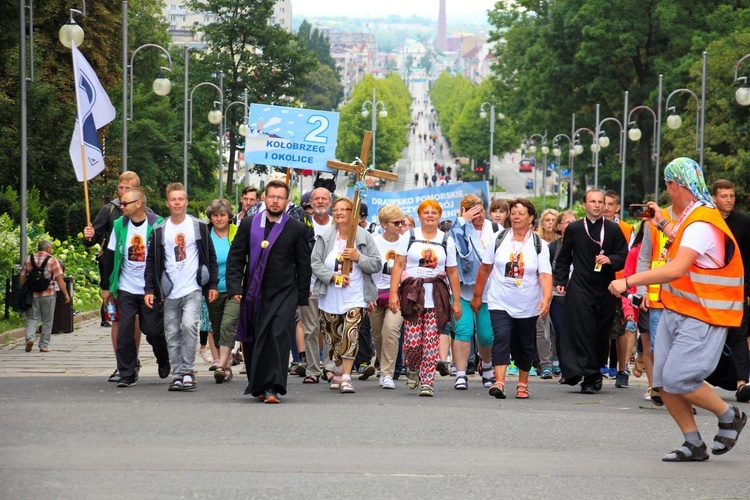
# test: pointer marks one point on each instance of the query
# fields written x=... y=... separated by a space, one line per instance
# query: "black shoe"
x=621 y=379
x=367 y=372
x=574 y=380
x=598 y=384
x=126 y=382
x=443 y=369
x=743 y=393
x=115 y=377
x=588 y=389
x=471 y=368
x=272 y=397
x=106 y=324
x=164 y=369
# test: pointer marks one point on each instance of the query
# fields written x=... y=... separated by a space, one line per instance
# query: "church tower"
x=442 y=31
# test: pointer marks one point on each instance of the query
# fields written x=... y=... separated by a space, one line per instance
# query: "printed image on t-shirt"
x=137 y=249
x=180 y=249
x=515 y=266
x=338 y=263
x=429 y=259
x=390 y=259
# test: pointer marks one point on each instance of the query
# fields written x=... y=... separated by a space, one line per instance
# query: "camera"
x=640 y=211
x=635 y=299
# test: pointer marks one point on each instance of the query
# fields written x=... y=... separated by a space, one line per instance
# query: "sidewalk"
x=87 y=351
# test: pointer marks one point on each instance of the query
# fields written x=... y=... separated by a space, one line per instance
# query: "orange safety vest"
x=658 y=240
x=713 y=296
x=627 y=232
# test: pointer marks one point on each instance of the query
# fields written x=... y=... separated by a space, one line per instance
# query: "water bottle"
x=111 y=310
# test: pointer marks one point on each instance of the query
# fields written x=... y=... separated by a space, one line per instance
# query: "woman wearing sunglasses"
x=386 y=324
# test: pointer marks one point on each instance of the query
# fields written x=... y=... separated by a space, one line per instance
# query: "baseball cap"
x=305 y=200
x=362 y=210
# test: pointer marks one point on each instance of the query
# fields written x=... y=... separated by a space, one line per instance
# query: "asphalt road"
x=67 y=433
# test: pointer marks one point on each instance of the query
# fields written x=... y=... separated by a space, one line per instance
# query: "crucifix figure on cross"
x=360 y=168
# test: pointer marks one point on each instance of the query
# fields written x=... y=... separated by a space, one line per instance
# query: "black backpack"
x=413 y=238
x=36 y=279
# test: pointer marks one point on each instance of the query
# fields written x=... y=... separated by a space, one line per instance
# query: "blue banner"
x=291 y=137
x=449 y=197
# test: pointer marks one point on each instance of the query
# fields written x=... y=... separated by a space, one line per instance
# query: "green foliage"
x=6 y=206
x=76 y=219
x=56 y=223
x=391 y=138
x=324 y=91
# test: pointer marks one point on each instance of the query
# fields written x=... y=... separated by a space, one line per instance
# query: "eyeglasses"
x=398 y=223
x=341 y=210
x=126 y=203
x=276 y=198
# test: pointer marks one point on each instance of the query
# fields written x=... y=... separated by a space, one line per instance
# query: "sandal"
x=188 y=382
x=522 y=391
x=498 y=389
x=346 y=387
x=638 y=367
x=740 y=419
x=335 y=383
x=655 y=398
x=311 y=379
x=328 y=378
x=176 y=385
x=220 y=375
x=697 y=454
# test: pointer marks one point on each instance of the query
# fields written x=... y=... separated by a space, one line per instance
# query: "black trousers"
x=365 y=352
x=515 y=338
x=129 y=306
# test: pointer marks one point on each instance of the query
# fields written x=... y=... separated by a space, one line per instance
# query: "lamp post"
x=161 y=87
x=578 y=147
x=545 y=150
x=242 y=131
x=213 y=118
x=742 y=95
x=634 y=134
x=374 y=125
x=674 y=121
x=557 y=153
x=603 y=142
x=483 y=115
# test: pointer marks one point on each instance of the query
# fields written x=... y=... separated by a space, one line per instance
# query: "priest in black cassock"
x=597 y=249
x=268 y=272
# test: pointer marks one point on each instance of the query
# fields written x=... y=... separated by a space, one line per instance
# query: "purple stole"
x=256 y=268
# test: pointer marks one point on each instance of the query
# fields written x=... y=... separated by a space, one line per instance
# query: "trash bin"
x=63 y=322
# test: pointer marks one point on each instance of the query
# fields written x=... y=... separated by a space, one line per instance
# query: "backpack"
x=412 y=240
x=36 y=279
x=537 y=240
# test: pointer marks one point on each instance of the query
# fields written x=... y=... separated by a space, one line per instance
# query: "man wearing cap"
x=702 y=292
x=305 y=203
x=370 y=226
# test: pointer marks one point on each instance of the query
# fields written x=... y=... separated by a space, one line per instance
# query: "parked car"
x=526 y=166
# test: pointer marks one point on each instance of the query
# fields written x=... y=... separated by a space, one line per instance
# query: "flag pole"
x=80 y=128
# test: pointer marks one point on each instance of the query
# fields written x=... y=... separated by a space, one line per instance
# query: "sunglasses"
x=126 y=203
x=398 y=223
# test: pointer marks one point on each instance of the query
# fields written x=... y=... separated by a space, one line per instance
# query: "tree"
x=264 y=60
x=324 y=91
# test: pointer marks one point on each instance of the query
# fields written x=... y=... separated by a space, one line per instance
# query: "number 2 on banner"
x=314 y=136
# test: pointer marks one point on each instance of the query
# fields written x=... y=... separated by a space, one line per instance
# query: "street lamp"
x=545 y=150
x=742 y=95
x=674 y=121
x=243 y=130
x=635 y=134
x=213 y=118
x=161 y=87
x=578 y=147
x=557 y=153
x=374 y=125
x=483 y=115
x=603 y=142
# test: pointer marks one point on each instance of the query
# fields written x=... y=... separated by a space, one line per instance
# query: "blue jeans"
x=182 y=320
x=654 y=315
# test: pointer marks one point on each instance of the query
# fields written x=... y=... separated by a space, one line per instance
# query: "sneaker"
x=647 y=396
x=604 y=370
x=301 y=369
x=512 y=369
x=380 y=380
x=293 y=366
x=556 y=370
x=126 y=382
x=471 y=368
x=164 y=369
x=44 y=349
x=461 y=383
x=612 y=373
x=426 y=391
x=621 y=379
x=29 y=345
x=388 y=383
x=412 y=382
x=115 y=377
x=366 y=371
x=453 y=370
x=533 y=373
x=443 y=368
x=271 y=397
x=206 y=355
x=106 y=324
x=546 y=374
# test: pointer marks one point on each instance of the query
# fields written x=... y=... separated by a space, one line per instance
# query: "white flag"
x=93 y=104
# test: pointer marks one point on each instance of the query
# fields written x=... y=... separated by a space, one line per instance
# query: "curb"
x=11 y=335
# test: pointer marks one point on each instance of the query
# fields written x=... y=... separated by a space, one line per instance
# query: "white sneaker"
x=388 y=383
x=206 y=355
x=380 y=380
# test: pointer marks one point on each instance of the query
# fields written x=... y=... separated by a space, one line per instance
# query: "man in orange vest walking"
x=702 y=294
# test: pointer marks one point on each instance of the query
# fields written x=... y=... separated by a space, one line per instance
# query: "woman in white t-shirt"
x=386 y=324
x=520 y=281
x=343 y=299
x=426 y=256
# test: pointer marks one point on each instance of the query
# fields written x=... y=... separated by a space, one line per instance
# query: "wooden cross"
x=359 y=167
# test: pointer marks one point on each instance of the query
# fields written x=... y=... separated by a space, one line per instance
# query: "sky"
x=455 y=9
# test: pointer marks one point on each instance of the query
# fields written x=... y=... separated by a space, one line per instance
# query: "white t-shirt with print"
x=516 y=289
x=427 y=260
x=388 y=251
x=338 y=300
x=133 y=263
x=181 y=257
